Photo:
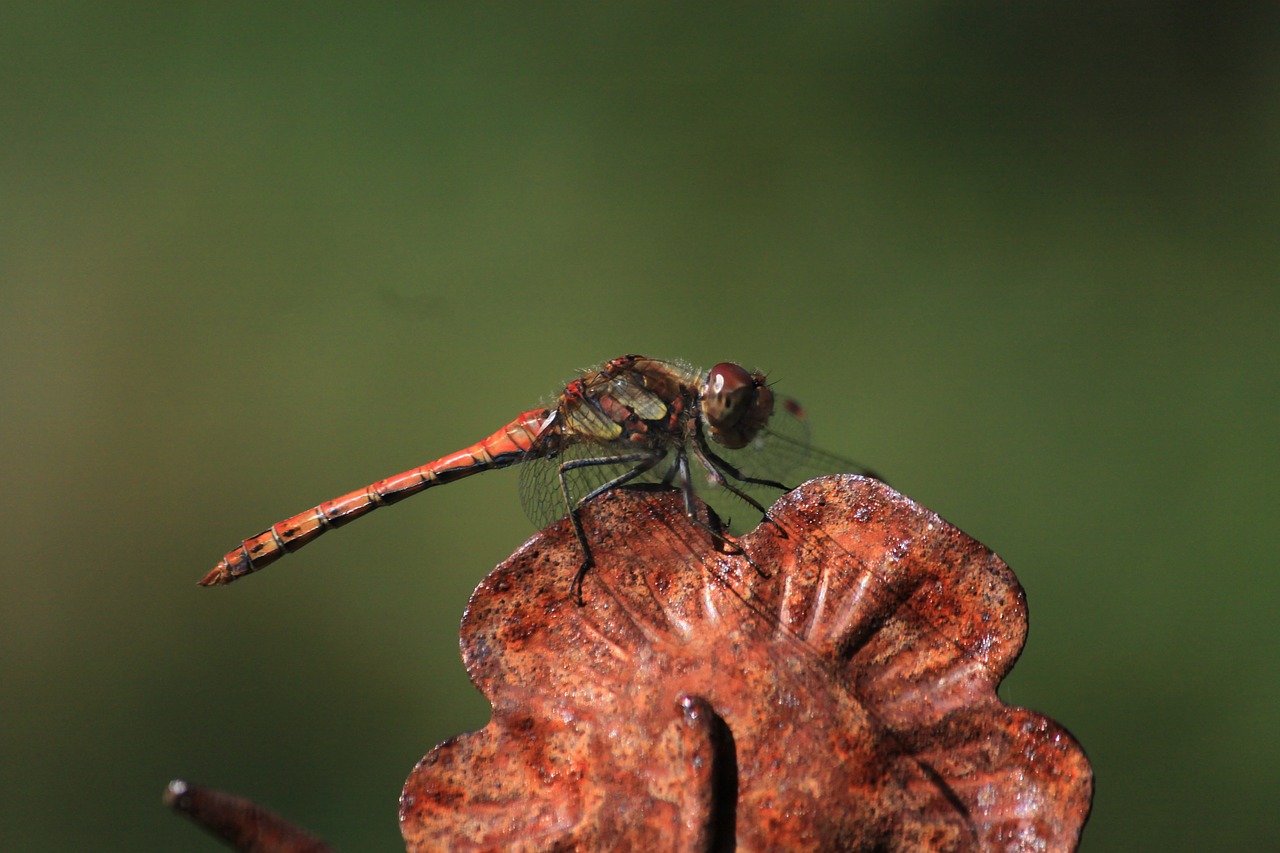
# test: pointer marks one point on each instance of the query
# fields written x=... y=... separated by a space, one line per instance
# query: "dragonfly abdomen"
x=507 y=446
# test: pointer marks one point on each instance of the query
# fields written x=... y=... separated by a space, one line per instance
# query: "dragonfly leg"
x=717 y=535
x=718 y=467
x=721 y=465
x=642 y=463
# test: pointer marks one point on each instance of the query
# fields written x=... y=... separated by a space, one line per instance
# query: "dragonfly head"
x=736 y=404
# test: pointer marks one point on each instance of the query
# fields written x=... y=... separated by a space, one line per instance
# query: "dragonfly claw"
x=577 y=579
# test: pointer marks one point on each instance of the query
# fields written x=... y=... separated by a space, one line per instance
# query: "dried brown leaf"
x=830 y=687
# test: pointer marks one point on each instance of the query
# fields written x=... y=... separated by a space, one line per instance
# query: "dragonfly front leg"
x=717 y=468
x=642 y=461
x=690 y=511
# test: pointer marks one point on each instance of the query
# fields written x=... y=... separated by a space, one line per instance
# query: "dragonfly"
x=634 y=418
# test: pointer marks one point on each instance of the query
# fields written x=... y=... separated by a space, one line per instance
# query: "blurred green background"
x=1021 y=260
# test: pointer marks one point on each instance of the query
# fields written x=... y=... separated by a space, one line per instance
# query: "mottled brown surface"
x=240 y=823
x=839 y=694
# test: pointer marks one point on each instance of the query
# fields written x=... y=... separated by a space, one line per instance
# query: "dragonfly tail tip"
x=217 y=577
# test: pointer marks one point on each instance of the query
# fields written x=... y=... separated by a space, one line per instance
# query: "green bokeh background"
x=1023 y=261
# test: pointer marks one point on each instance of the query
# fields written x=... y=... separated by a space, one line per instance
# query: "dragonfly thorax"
x=735 y=404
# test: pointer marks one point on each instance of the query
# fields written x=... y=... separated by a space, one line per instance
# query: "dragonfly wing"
x=643 y=402
x=777 y=452
x=780 y=453
x=588 y=423
x=592 y=432
x=541 y=494
x=776 y=455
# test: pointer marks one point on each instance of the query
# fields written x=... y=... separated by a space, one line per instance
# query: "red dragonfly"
x=635 y=418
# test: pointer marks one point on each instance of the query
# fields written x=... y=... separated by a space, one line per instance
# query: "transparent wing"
x=779 y=454
x=542 y=497
x=783 y=451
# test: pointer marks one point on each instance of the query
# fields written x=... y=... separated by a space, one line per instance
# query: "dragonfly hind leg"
x=641 y=462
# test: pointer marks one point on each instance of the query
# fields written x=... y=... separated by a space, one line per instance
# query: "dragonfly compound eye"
x=735 y=404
